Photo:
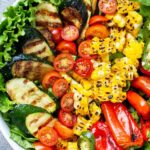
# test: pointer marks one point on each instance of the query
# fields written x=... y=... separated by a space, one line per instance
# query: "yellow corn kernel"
x=72 y=146
x=120 y=20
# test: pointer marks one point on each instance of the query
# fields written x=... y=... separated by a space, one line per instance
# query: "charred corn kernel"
x=85 y=83
x=124 y=6
x=125 y=68
x=82 y=107
x=95 y=112
x=82 y=125
x=62 y=144
x=119 y=20
x=134 y=50
x=102 y=70
x=134 y=22
x=79 y=87
x=100 y=46
x=118 y=38
x=72 y=146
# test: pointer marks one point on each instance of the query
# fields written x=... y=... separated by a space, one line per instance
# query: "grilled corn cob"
x=72 y=146
x=124 y=6
x=82 y=125
x=134 y=22
x=62 y=144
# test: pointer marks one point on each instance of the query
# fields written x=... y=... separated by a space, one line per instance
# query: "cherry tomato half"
x=40 y=146
x=50 y=78
x=63 y=131
x=83 y=67
x=48 y=136
x=70 y=33
x=97 y=19
x=67 y=102
x=56 y=34
x=97 y=30
x=63 y=62
x=67 y=119
x=108 y=6
x=67 y=46
x=84 y=49
x=60 y=87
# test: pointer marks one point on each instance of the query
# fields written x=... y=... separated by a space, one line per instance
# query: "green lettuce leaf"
x=143 y=2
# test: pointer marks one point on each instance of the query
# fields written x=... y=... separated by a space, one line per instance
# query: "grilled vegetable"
x=47 y=16
x=94 y=5
x=36 y=120
x=26 y=66
x=74 y=12
x=89 y=12
x=23 y=91
x=146 y=57
x=86 y=141
x=35 y=43
x=20 y=112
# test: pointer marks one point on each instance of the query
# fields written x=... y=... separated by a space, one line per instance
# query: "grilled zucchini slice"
x=74 y=12
x=24 y=91
x=26 y=66
x=47 y=16
x=89 y=12
x=36 y=120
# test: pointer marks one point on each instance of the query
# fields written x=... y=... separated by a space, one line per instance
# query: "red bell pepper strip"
x=104 y=139
x=145 y=130
x=145 y=72
x=142 y=83
x=122 y=126
x=139 y=104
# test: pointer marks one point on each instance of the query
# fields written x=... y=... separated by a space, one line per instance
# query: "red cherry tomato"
x=56 y=34
x=60 y=87
x=97 y=19
x=50 y=78
x=70 y=33
x=67 y=119
x=63 y=62
x=108 y=6
x=84 y=49
x=67 y=102
x=97 y=30
x=83 y=67
x=67 y=46
x=48 y=136
x=40 y=146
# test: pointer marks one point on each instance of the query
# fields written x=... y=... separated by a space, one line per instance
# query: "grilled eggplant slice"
x=24 y=91
x=36 y=120
x=89 y=11
x=26 y=66
x=47 y=16
x=19 y=113
x=74 y=12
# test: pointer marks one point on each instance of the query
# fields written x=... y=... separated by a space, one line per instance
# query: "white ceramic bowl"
x=3 y=126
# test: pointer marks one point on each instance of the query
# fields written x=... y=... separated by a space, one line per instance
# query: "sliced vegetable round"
x=70 y=33
x=40 y=146
x=60 y=87
x=67 y=119
x=67 y=46
x=84 y=49
x=97 y=30
x=63 y=131
x=67 y=102
x=56 y=34
x=50 y=78
x=97 y=19
x=108 y=6
x=83 y=67
x=48 y=136
x=63 y=62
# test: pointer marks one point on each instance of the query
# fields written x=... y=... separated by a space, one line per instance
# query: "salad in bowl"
x=75 y=74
